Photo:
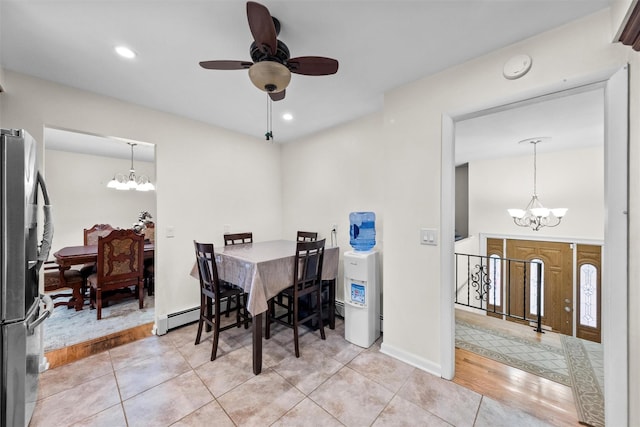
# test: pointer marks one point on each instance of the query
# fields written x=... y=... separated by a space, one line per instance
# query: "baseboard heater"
x=181 y=318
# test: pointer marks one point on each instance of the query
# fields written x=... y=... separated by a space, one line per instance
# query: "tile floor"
x=168 y=381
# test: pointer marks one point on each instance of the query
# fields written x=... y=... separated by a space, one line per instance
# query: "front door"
x=557 y=283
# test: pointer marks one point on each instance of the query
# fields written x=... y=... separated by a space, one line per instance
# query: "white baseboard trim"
x=411 y=359
x=174 y=320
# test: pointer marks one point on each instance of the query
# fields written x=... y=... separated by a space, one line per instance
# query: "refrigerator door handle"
x=48 y=309
x=47 y=235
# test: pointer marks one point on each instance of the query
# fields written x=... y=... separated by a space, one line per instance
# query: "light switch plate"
x=171 y=231
x=429 y=236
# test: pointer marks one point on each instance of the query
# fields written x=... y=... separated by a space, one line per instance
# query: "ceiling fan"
x=271 y=68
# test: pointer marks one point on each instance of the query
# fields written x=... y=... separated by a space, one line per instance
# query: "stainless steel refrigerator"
x=22 y=307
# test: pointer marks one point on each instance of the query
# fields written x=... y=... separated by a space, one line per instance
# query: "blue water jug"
x=362 y=231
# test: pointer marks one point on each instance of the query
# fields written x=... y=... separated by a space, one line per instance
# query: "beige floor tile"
x=308 y=371
x=493 y=414
x=68 y=376
x=337 y=347
x=210 y=414
x=76 y=404
x=455 y=404
x=352 y=398
x=307 y=414
x=400 y=412
x=196 y=355
x=134 y=352
x=383 y=369
x=110 y=417
x=150 y=372
x=168 y=402
x=226 y=372
x=260 y=401
x=182 y=335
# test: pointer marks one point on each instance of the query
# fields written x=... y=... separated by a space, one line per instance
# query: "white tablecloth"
x=263 y=269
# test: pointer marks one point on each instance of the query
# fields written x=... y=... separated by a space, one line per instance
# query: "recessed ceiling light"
x=125 y=52
x=287 y=116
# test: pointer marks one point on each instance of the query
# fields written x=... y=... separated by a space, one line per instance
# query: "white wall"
x=198 y=187
x=330 y=175
x=77 y=185
x=409 y=164
x=566 y=179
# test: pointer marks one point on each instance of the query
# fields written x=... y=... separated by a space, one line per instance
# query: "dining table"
x=262 y=270
x=69 y=256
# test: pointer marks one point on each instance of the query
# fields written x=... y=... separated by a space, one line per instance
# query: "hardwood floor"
x=548 y=400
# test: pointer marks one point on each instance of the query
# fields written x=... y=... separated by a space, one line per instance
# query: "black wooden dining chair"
x=212 y=291
x=306 y=236
x=235 y=239
x=307 y=280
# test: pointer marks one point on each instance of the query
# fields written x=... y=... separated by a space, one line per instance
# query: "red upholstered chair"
x=119 y=268
x=90 y=237
x=54 y=287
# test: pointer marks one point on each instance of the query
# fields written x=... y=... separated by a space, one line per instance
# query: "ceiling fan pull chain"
x=269 y=134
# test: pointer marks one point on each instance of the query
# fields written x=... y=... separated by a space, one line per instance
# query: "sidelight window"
x=588 y=295
x=533 y=287
x=495 y=276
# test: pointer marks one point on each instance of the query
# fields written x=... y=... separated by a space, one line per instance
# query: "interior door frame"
x=614 y=258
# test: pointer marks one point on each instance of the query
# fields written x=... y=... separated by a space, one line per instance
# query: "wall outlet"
x=334 y=227
x=227 y=229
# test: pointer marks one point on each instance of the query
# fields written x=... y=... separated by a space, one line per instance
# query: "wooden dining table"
x=262 y=270
x=69 y=256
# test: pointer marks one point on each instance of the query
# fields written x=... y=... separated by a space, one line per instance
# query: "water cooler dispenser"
x=362 y=298
x=361 y=282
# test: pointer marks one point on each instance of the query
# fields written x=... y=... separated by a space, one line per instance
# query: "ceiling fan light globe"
x=270 y=76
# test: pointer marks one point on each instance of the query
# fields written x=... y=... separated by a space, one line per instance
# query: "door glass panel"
x=533 y=287
x=588 y=298
x=495 y=273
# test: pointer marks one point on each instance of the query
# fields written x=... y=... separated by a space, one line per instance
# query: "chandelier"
x=535 y=215
x=130 y=181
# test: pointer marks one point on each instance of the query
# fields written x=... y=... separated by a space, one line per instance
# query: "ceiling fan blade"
x=277 y=96
x=262 y=27
x=313 y=65
x=225 y=65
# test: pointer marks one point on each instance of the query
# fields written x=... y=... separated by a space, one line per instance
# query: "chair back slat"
x=307 y=236
x=238 y=238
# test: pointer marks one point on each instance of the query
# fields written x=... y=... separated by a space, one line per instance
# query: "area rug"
x=577 y=363
x=66 y=327
x=586 y=383
x=528 y=355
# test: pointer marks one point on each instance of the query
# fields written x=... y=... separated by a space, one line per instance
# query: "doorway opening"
x=78 y=167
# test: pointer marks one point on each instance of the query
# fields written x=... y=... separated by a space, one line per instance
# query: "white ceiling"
x=379 y=44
